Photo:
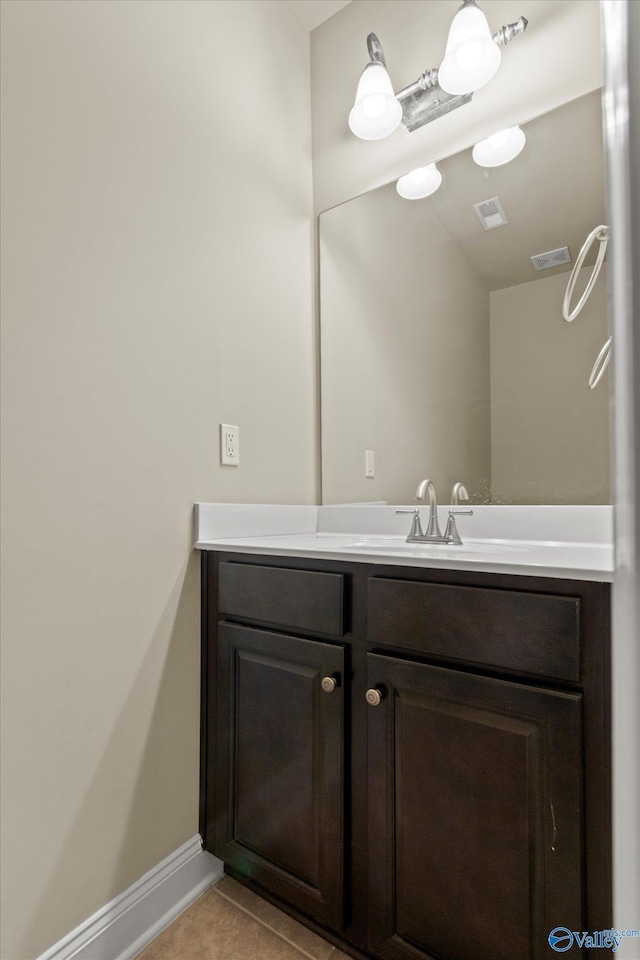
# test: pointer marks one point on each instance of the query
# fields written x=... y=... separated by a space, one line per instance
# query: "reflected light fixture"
x=471 y=58
x=419 y=183
x=499 y=148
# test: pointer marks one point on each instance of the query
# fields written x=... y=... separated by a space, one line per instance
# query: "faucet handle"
x=416 y=528
x=451 y=530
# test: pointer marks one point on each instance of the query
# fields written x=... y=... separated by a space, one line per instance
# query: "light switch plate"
x=229 y=444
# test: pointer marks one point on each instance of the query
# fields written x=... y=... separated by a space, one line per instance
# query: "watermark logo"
x=562 y=939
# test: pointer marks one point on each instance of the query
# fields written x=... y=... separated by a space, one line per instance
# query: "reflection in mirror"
x=443 y=349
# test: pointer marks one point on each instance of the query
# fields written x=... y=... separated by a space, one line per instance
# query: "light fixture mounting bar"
x=424 y=101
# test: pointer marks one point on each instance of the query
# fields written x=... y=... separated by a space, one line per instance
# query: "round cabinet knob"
x=328 y=684
x=373 y=697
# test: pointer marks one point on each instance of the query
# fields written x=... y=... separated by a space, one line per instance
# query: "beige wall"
x=405 y=354
x=156 y=281
x=540 y=70
x=550 y=433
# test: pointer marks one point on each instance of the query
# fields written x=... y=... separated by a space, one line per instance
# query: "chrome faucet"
x=433 y=534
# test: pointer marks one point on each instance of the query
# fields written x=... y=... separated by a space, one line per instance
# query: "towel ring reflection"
x=600 y=233
x=601 y=364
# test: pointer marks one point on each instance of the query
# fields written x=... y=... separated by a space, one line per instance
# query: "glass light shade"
x=499 y=148
x=471 y=57
x=376 y=112
x=419 y=183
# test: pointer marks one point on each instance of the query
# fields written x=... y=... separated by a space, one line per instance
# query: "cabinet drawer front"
x=300 y=599
x=530 y=632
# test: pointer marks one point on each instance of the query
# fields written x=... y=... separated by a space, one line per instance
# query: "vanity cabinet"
x=412 y=761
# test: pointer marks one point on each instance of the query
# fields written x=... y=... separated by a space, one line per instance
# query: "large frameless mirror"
x=443 y=347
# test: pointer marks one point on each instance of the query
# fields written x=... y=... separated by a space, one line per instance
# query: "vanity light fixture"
x=499 y=148
x=376 y=112
x=472 y=57
x=419 y=183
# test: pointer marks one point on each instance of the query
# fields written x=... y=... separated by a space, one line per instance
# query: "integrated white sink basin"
x=475 y=547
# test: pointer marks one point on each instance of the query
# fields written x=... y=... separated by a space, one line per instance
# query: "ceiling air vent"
x=491 y=213
x=554 y=258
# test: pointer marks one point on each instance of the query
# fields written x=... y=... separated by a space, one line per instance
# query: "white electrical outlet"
x=229 y=444
x=369 y=464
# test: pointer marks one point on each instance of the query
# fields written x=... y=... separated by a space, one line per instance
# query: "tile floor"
x=230 y=922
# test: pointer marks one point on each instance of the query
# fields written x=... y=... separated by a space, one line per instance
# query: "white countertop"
x=560 y=542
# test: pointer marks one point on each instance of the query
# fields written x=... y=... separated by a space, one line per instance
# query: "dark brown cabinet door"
x=279 y=766
x=475 y=815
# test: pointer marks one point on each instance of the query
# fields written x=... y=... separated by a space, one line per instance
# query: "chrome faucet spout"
x=428 y=487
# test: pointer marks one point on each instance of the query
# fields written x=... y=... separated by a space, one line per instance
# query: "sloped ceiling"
x=553 y=195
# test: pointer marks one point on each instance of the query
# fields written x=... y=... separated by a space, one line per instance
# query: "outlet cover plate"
x=229 y=444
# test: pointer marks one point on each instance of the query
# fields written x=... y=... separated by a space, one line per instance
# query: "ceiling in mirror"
x=552 y=195
x=443 y=349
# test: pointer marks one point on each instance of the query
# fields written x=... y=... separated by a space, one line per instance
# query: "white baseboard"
x=124 y=927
